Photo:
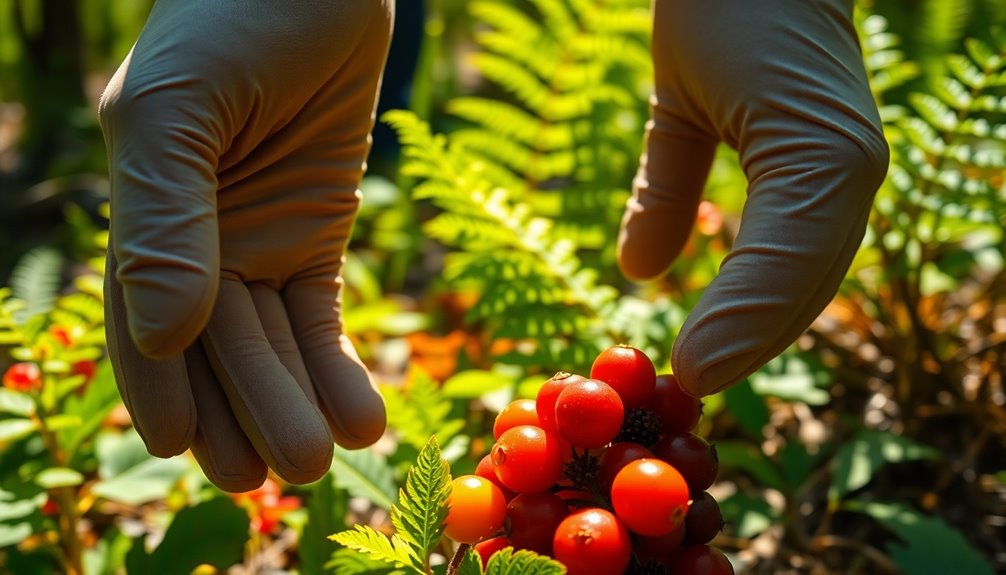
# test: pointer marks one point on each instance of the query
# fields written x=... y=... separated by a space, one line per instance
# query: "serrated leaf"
x=365 y=473
x=471 y=563
x=928 y=544
x=419 y=515
x=347 y=561
x=35 y=281
x=859 y=460
x=420 y=410
x=377 y=546
x=523 y=562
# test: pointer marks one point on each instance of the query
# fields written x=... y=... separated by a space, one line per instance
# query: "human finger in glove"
x=782 y=82
x=237 y=134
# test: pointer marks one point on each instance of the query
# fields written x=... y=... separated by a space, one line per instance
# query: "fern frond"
x=419 y=515
x=35 y=280
x=377 y=546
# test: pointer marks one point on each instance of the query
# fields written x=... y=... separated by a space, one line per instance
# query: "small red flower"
x=266 y=505
x=50 y=508
x=23 y=377
x=84 y=367
x=61 y=334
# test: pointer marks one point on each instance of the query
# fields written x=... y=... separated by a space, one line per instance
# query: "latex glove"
x=237 y=133
x=783 y=82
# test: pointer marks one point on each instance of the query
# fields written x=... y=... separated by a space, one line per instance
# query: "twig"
x=459 y=556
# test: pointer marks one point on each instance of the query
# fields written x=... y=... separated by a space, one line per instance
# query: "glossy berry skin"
x=660 y=547
x=650 y=497
x=700 y=560
x=517 y=412
x=588 y=414
x=693 y=456
x=704 y=520
x=629 y=371
x=592 y=541
x=485 y=469
x=678 y=412
x=532 y=518
x=486 y=548
x=548 y=393
x=527 y=459
x=614 y=457
x=476 y=509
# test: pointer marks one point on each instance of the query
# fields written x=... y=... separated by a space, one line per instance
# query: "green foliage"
x=417 y=517
x=532 y=285
x=419 y=410
x=510 y=562
x=530 y=187
x=364 y=473
x=213 y=532
x=36 y=281
x=859 y=459
x=927 y=544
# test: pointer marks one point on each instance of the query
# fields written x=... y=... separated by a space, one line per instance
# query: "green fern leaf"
x=347 y=561
x=420 y=411
x=422 y=504
x=523 y=562
x=35 y=280
x=471 y=563
x=379 y=547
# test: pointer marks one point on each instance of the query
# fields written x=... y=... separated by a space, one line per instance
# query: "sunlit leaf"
x=858 y=460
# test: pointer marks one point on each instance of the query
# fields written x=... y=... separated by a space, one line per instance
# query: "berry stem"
x=459 y=556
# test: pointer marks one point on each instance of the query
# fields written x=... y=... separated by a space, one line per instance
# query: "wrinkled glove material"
x=783 y=83
x=237 y=135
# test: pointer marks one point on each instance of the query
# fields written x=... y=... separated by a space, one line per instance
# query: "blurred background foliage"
x=482 y=262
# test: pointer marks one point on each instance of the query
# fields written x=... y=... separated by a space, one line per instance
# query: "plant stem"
x=459 y=556
x=66 y=499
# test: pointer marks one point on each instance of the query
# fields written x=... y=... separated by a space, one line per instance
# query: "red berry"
x=629 y=371
x=650 y=497
x=527 y=459
x=700 y=560
x=614 y=457
x=476 y=509
x=517 y=412
x=704 y=519
x=487 y=548
x=660 y=547
x=678 y=412
x=592 y=541
x=485 y=469
x=693 y=456
x=548 y=393
x=588 y=414
x=532 y=519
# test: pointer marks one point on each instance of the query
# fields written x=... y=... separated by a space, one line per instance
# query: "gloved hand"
x=237 y=134
x=783 y=82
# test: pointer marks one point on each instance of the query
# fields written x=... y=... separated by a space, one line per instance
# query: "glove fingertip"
x=168 y=311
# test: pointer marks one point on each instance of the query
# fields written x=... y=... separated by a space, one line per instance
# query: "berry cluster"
x=602 y=473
